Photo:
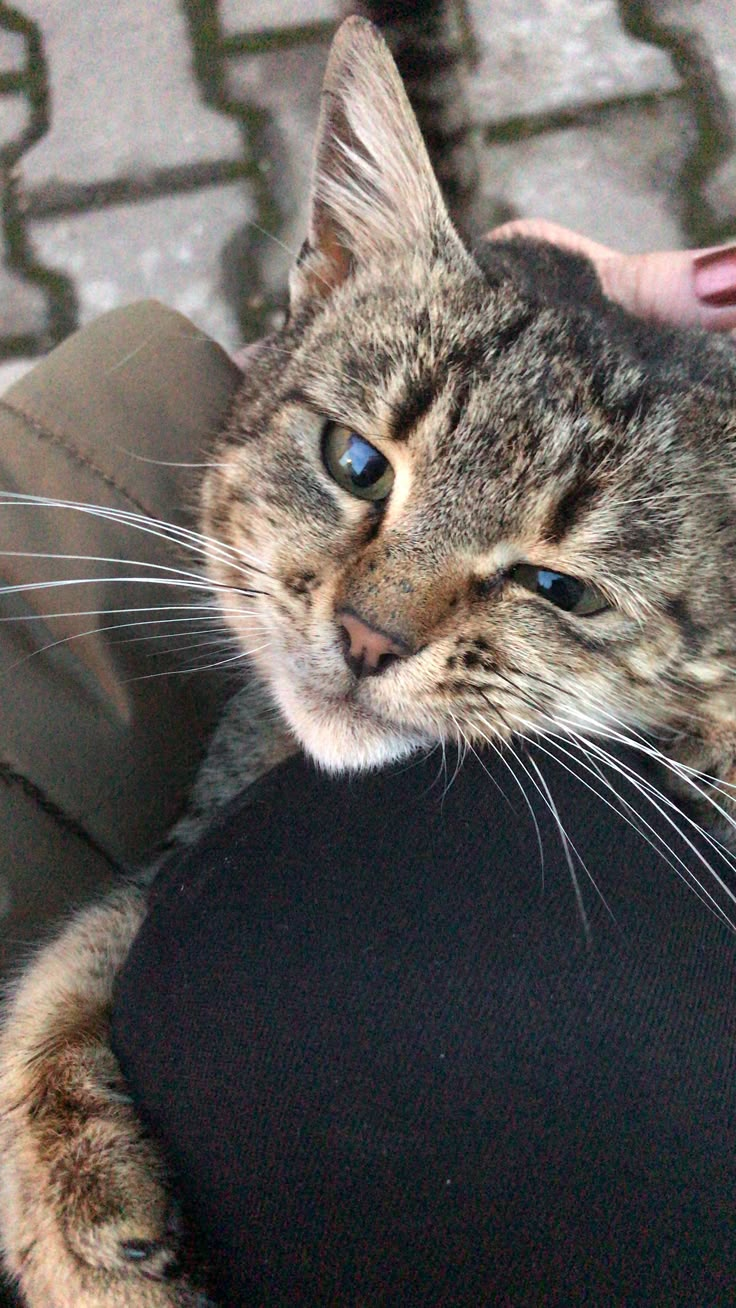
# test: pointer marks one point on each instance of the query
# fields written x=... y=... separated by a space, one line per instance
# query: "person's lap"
x=389 y=1067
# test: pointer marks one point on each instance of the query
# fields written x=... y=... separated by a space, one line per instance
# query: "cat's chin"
x=339 y=734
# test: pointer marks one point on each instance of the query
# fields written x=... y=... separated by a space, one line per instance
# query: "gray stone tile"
x=708 y=30
x=540 y=56
x=15 y=117
x=168 y=248
x=12 y=371
x=12 y=52
x=612 y=180
x=123 y=97
x=22 y=306
x=244 y=16
x=287 y=85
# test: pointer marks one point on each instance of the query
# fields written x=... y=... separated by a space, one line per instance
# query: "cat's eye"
x=355 y=464
x=568 y=593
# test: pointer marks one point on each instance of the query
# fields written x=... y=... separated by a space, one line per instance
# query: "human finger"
x=677 y=286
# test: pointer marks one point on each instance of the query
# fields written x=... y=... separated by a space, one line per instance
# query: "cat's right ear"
x=374 y=191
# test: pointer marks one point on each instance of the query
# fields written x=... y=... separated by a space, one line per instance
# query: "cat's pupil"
x=565 y=592
x=363 y=463
x=355 y=464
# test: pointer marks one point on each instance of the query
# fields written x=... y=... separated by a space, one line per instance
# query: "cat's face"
x=465 y=520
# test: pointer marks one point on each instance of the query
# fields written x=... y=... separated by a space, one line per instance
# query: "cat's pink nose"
x=367 y=649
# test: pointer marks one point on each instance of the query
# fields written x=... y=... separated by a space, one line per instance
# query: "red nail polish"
x=714 y=276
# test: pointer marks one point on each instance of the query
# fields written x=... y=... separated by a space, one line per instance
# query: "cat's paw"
x=84 y=1201
x=104 y=1177
x=86 y=1216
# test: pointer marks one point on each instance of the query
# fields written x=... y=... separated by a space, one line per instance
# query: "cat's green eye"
x=355 y=464
x=568 y=593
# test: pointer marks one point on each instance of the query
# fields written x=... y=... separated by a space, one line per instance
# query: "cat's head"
x=473 y=504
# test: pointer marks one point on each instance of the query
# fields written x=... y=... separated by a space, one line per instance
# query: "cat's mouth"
x=344 y=722
x=337 y=725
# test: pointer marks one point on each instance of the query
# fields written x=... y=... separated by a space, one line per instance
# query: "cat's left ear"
x=374 y=191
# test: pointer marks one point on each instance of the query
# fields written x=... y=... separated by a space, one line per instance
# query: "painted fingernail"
x=714 y=276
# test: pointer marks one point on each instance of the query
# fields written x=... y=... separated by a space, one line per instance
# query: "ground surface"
x=150 y=147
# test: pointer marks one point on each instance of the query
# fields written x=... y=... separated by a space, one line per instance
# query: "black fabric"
x=390 y=1070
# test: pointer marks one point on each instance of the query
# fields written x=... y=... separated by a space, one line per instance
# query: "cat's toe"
x=159 y=1257
x=108 y=1246
x=116 y=1210
x=156 y=1258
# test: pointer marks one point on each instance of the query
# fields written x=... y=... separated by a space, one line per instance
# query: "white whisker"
x=22 y=588
x=194 y=541
x=213 y=641
x=586 y=869
x=458 y=762
x=686 y=775
x=686 y=874
x=101 y=558
x=199 y=667
x=224 y=633
x=650 y=790
x=164 y=463
x=636 y=740
x=655 y=840
x=499 y=753
x=196 y=610
x=115 y=626
x=568 y=847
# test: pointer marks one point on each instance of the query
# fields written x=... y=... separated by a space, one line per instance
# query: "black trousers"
x=390 y=1068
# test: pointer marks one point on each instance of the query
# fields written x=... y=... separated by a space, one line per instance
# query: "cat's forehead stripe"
x=568 y=510
x=411 y=408
x=296 y=395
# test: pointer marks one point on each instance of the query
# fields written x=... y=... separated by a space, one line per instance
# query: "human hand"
x=678 y=286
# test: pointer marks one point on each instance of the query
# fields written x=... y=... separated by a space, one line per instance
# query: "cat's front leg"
x=85 y=1212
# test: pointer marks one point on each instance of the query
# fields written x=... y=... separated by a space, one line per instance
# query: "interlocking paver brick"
x=539 y=56
x=286 y=84
x=587 y=117
x=14 y=117
x=612 y=179
x=22 y=306
x=169 y=248
x=243 y=15
x=707 y=33
x=12 y=52
x=126 y=107
x=123 y=96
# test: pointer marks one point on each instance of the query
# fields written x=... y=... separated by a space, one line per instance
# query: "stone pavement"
x=150 y=147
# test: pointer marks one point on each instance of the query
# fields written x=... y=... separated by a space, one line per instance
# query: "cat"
x=459 y=497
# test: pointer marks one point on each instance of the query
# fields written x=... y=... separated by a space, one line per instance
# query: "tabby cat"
x=459 y=497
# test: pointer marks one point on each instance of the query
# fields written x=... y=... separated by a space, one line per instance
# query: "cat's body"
x=457 y=499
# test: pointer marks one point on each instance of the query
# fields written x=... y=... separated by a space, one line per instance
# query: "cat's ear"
x=373 y=190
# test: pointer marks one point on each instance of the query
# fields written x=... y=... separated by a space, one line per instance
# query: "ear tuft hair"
x=374 y=191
